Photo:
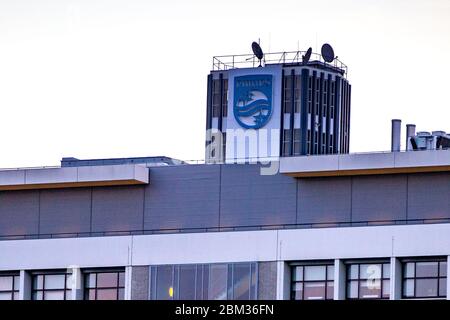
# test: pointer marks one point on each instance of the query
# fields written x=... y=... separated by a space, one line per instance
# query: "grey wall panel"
x=381 y=197
x=324 y=200
x=248 y=198
x=429 y=195
x=19 y=212
x=117 y=208
x=267 y=280
x=183 y=197
x=140 y=277
x=65 y=210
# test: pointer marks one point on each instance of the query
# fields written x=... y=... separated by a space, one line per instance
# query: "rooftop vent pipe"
x=410 y=133
x=396 y=132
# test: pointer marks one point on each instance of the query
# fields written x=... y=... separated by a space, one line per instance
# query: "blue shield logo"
x=252 y=105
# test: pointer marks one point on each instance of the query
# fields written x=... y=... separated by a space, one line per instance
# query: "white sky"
x=122 y=78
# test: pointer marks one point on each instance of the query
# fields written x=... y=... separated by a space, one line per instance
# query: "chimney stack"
x=396 y=132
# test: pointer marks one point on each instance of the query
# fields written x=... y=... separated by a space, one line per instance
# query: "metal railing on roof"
x=225 y=229
x=236 y=61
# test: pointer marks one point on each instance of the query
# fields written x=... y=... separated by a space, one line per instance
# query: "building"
x=303 y=105
x=320 y=228
x=329 y=225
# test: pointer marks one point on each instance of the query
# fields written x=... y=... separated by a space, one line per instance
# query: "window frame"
x=96 y=288
x=326 y=281
x=45 y=274
x=13 y=291
x=358 y=280
x=405 y=278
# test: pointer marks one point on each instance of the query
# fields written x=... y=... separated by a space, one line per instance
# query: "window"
x=368 y=281
x=104 y=285
x=425 y=279
x=216 y=99
x=308 y=141
x=234 y=281
x=9 y=287
x=287 y=103
x=312 y=282
x=297 y=88
x=51 y=286
x=297 y=150
x=286 y=142
x=225 y=98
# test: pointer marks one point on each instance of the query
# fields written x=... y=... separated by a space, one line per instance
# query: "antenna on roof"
x=307 y=56
x=327 y=53
x=257 y=51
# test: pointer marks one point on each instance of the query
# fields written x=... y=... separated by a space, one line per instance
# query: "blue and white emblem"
x=252 y=105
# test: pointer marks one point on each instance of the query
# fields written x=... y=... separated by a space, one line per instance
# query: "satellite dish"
x=307 y=56
x=257 y=51
x=327 y=53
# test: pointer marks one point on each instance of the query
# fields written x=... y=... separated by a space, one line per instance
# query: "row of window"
x=57 y=285
x=371 y=280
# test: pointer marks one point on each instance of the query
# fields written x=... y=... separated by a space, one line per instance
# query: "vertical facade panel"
x=65 y=211
x=337 y=115
x=19 y=212
x=251 y=199
x=304 y=111
x=429 y=195
x=324 y=200
x=291 y=125
x=379 y=198
x=117 y=209
x=328 y=115
x=182 y=197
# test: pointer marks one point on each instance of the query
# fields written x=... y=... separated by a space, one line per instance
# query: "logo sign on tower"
x=252 y=105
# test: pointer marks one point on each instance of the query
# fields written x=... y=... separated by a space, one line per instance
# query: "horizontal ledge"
x=73 y=177
x=70 y=185
x=356 y=172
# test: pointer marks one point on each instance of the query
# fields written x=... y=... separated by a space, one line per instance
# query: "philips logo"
x=252 y=105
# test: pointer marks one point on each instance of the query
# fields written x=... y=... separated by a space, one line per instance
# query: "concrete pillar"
x=396 y=279
x=448 y=277
x=339 y=280
x=128 y=278
x=140 y=277
x=284 y=281
x=25 y=285
x=76 y=283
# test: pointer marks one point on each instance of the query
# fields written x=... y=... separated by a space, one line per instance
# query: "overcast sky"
x=122 y=78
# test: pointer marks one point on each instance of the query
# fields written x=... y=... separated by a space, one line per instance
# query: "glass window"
x=241 y=281
x=368 y=281
x=9 y=286
x=218 y=276
x=210 y=281
x=187 y=282
x=425 y=279
x=312 y=282
x=104 y=285
x=51 y=286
